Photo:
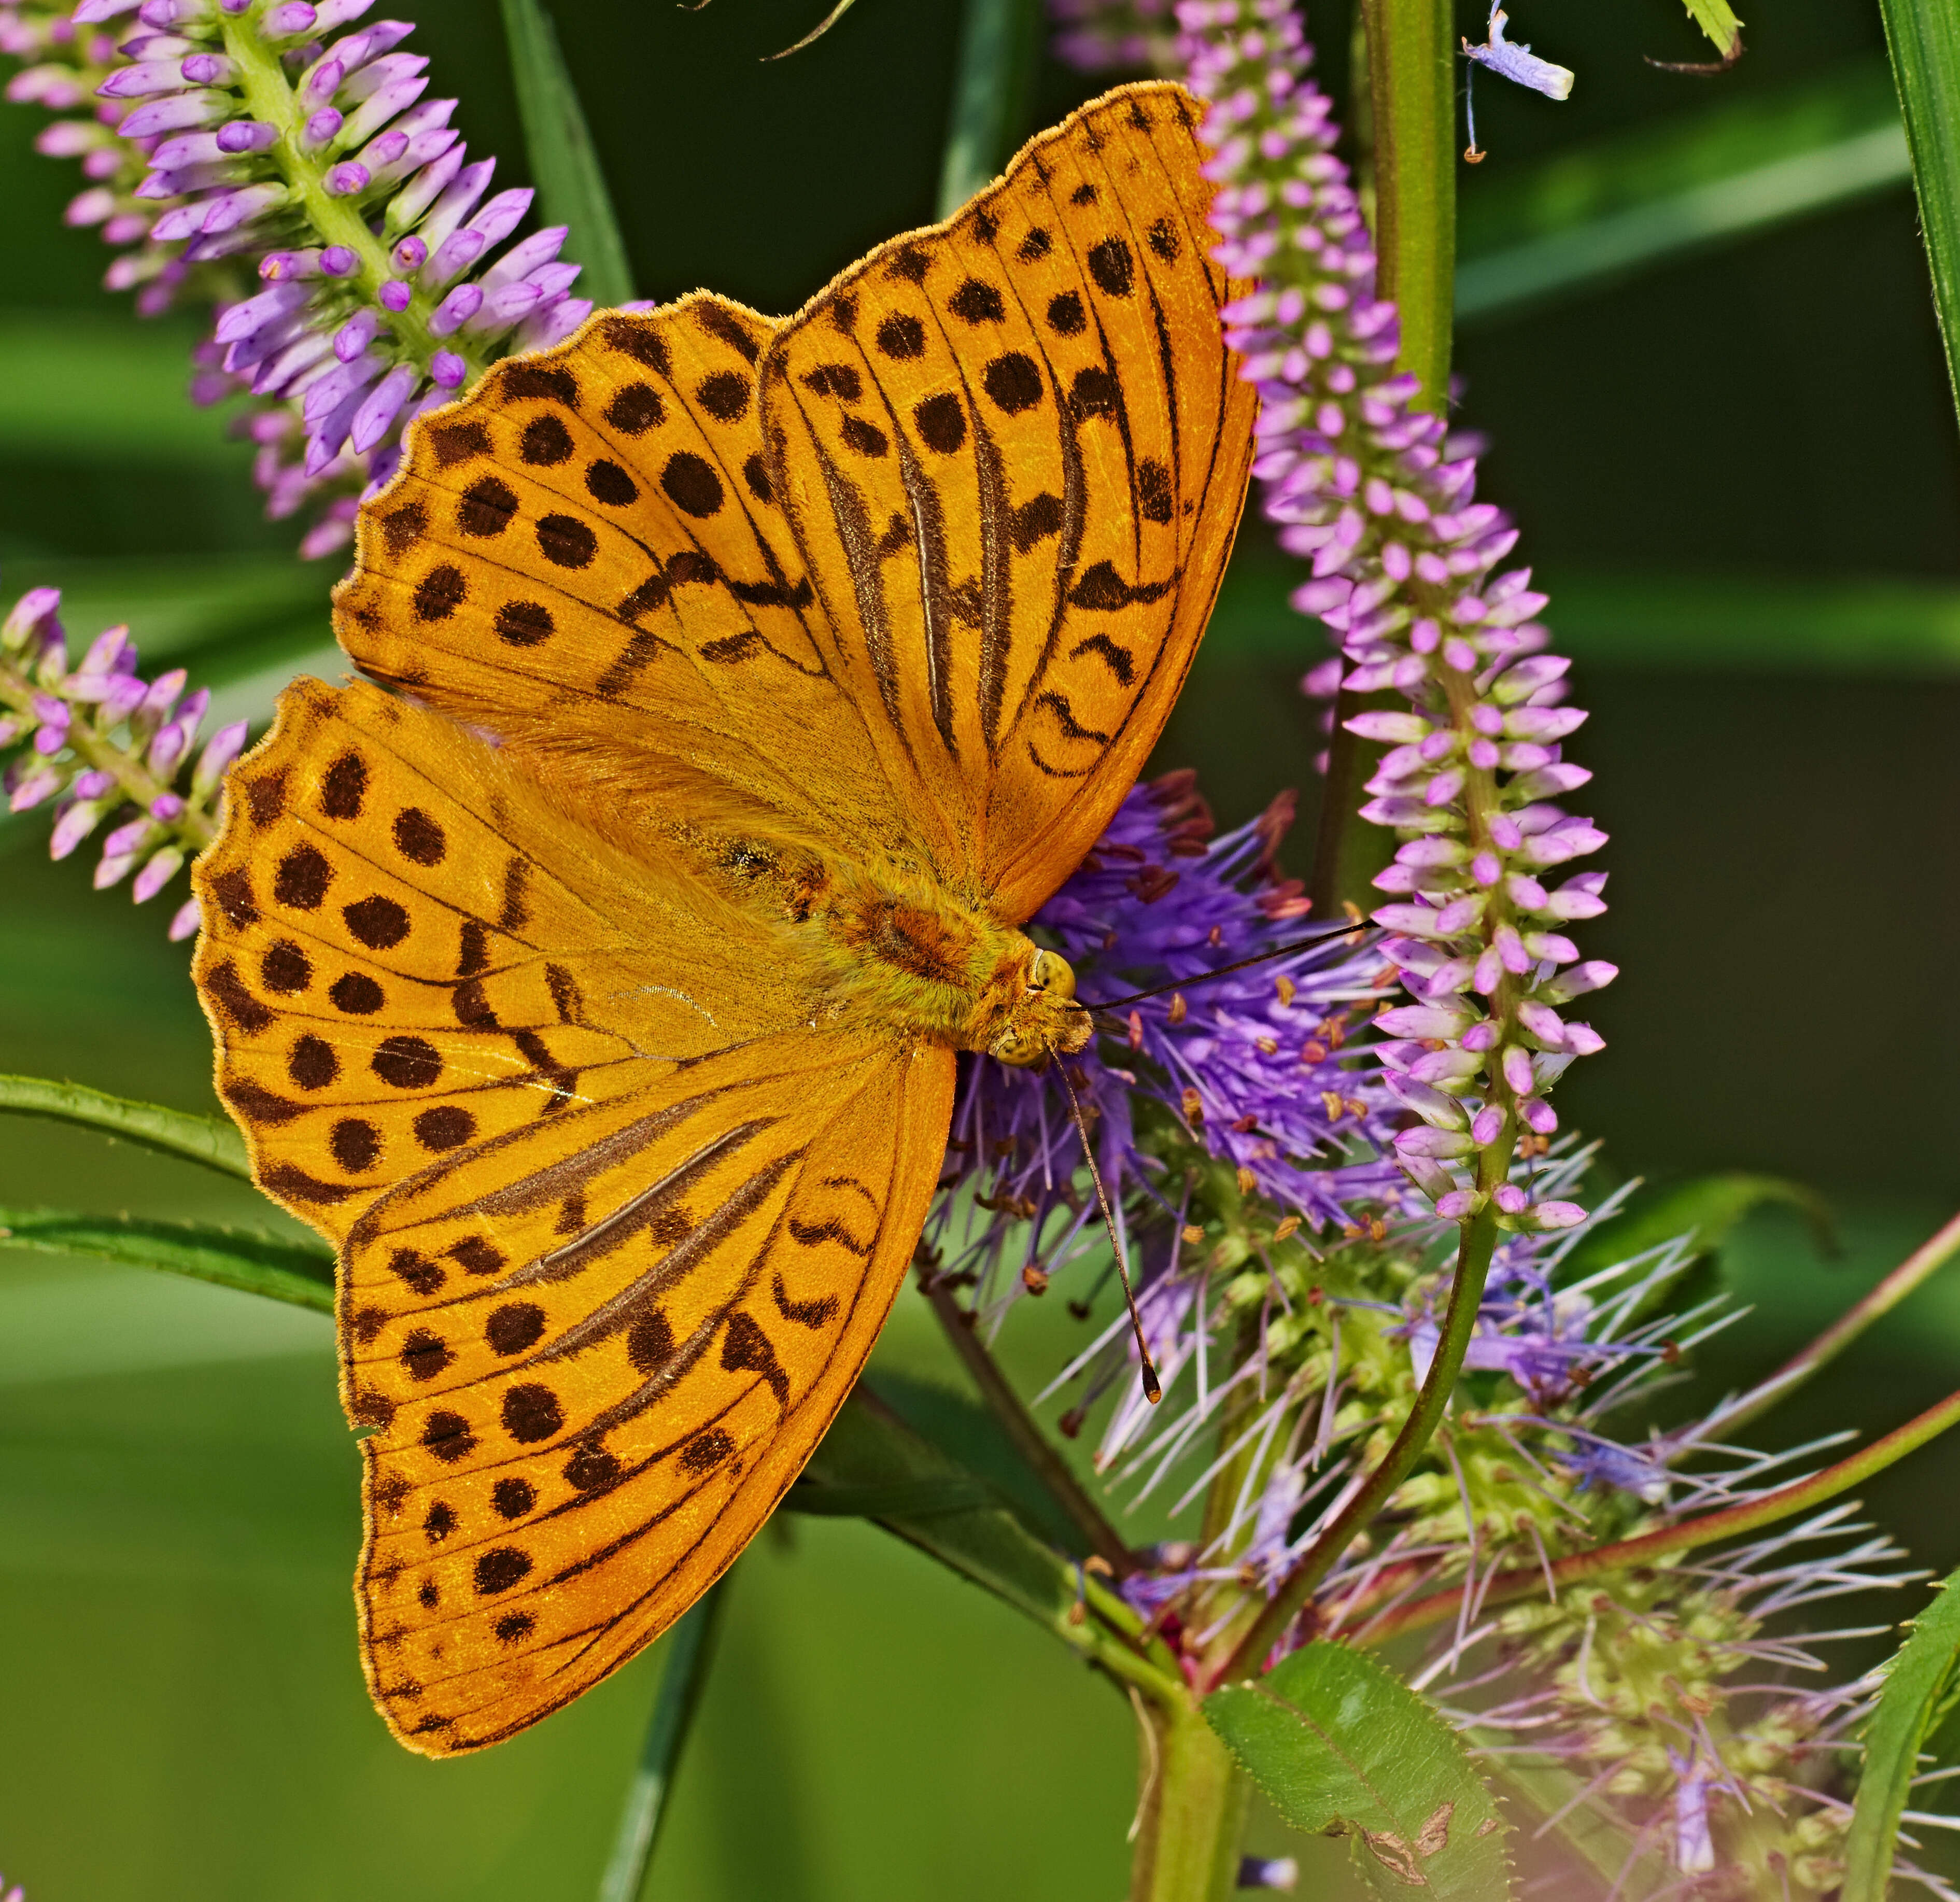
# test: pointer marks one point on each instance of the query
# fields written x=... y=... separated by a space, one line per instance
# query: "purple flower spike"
x=225 y=746
x=166 y=808
x=156 y=875
x=182 y=113
x=127 y=838
x=247 y=135
x=355 y=335
x=372 y=420
x=277 y=267
x=457 y=308
x=113 y=871
x=93 y=783
x=183 y=170
x=73 y=825
x=41 y=784
x=1405 y=576
x=522 y=259
x=185 y=923
x=456 y=254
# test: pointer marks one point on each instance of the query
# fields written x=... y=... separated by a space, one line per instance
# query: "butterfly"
x=591 y=972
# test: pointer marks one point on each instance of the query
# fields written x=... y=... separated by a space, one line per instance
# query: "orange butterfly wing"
x=617 y=1226
x=1014 y=449
x=618 y=1183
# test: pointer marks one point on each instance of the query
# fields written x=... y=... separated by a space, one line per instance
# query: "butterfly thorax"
x=893 y=942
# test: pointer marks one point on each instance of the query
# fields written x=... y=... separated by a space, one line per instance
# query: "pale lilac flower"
x=1403 y=561
x=98 y=743
x=343 y=330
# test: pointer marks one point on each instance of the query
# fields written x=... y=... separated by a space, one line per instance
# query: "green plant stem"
x=1194 y=1799
x=1411 y=72
x=1466 y=1293
x=1924 y=1261
x=270 y=99
x=690 y=1649
x=208 y=1139
x=571 y=184
x=1923 y=38
x=1041 y=1458
x=1799 y=1496
x=1411 y=85
x=996 y=37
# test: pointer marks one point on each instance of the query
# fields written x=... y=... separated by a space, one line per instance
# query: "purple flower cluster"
x=1094 y=35
x=226 y=138
x=100 y=742
x=1253 y=1071
x=1403 y=560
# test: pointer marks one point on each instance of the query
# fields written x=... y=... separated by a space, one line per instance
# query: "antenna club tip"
x=1152 y=1392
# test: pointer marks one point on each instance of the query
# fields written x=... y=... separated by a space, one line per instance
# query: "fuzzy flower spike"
x=1405 y=574
x=287 y=142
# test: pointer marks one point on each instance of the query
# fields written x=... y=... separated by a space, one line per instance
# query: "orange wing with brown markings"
x=617 y=1226
x=622 y=1188
x=1014 y=449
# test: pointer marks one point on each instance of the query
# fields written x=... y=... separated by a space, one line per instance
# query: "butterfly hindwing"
x=1014 y=449
x=624 y=1354
x=617 y=1225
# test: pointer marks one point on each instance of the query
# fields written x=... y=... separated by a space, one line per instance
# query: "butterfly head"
x=1044 y=1021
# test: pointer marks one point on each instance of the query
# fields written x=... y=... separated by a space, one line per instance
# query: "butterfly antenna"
x=1470 y=154
x=1225 y=970
x=1153 y=1388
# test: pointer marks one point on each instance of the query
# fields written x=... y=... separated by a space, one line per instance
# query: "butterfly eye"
x=1053 y=975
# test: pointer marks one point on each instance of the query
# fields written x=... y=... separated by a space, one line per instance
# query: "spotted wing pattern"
x=617 y=1226
x=1014 y=449
x=621 y=1190
x=586 y=557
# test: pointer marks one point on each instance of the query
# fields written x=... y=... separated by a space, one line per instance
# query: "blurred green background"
x=1698 y=332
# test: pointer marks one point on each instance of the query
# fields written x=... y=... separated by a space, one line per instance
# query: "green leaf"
x=870 y=1462
x=83 y=390
x=1338 y=1743
x=1923 y=36
x=688 y=1650
x=921 y=1498
x=1708 y=1206
x=247 y=1259
x=1922 y=1683
x=571 y=187
x=1717 y=19
x=997 y=40
x=1582 y=1824
x=211 y=1140
x=1595 y=212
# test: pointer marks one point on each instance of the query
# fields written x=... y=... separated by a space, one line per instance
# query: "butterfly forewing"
x=587 y=557
x=1014 y=449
